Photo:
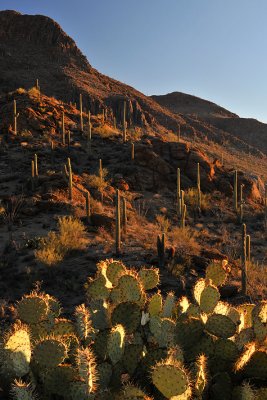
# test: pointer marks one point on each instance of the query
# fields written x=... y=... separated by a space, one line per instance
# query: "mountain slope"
x=34 y=47
x=248 y=130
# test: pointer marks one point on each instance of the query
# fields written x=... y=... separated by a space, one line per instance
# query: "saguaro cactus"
x=88 y=206
x=114 y=123
x=235 y=192
x=118 y=223
x=32 y=175
x=248 y=248
x=183 y=216
x=35 y=165
x=15 y=117
x=81 y=112
x=63 y=129
x=178 y=194
x=124 y=215
x=244 y=259
x=70 y=179
x=161 y=250
x=132 y=152
x=124 y=123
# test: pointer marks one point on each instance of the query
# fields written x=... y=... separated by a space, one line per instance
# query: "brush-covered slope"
x=35 y=46
x=248 y=130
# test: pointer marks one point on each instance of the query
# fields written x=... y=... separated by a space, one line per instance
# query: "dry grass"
x=257 y=281
x=20 y=91
x=163 y=223
x=54 y=248
x=95 y=182
x=191 y=199
x=184 y=240
x=105 y=131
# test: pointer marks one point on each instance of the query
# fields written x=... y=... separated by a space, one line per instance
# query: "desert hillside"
x=133 y=234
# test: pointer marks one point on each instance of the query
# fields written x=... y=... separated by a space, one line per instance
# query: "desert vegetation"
x=132 y=247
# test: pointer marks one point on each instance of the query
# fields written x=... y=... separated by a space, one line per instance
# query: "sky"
x=214 y=49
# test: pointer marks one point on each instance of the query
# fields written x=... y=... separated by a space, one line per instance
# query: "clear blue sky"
x=215 y=49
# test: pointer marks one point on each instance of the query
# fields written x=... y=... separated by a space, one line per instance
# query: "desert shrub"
x=191 y=199
x=184 y=240
x=26 y=134
x=71 y=235
x=51 y=251
x=95 y=182
x=20 y=91
x=34 y=92
x=163 y=223
x=105 y=131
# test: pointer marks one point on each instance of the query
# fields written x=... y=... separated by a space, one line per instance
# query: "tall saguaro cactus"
x=118 y=223
x=248 y=246
x=81 y=112
x=132 y=152
x=88 y=206
x=35 y=165
x=124 y=123
x=235 y=192
x=63 y=129
x=179 y=200
x=244 y=259
x=70 y=179
x=124 y=215
x=15 y=117
x=161 y=250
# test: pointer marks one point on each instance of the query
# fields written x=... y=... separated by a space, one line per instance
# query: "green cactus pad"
x=100 y=345
x=116 y=343
x=176 y=353
x=83 y=322
x=226 y=349
x=130 y=288
x=245 y=311
x=96 y=288
x=57 y=380
x=220 y=326
x=155 y=304
x=209 y=298
x=216 y=273
x=205 y=346
x=32 y=308
x=188 y=332
x=114 y=271
x=86 y=366
x=128 y=315
x=16 y=351
x=244 y=337
x=170 y=378
x=149 y=277
x=198 y=289
x=169 y=306
x=256 y=367
x=22 y=391
x=163 y=330
x=100 y=315
x=104 y=372
x=50 y=352
x=244 y=392
x=130 y=392
x=63 y=327
x=132 y=356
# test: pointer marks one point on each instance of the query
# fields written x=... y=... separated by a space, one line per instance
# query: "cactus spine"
x=118 y=223
x=124 y=123
x=70 y=179
x=81 y=112
x=244 y=260
x=63 y=129
x=235 y=192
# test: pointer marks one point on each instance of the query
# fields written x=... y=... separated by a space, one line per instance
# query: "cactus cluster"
x=129 y=336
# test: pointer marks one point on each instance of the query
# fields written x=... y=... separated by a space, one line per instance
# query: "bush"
x=163 y=223
x=56 y=246
x=191 y=199
x=184 y=240
x=95 y=182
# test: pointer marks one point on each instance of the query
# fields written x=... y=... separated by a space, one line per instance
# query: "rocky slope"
x=247 y=130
